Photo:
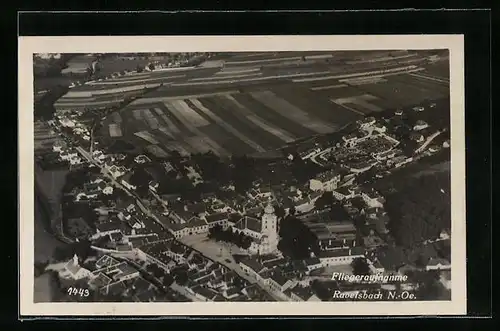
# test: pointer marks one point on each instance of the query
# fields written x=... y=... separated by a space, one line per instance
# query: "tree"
x=297 y=241
x=168 y=280
x=40 y=268
x=419 y=210
x=325 y=200
x=321 y=291
x=428 y=284
x=150 y=268
x=181 y=278
x=360 y=266
x=157 y=271
x=280 y=212
x=62 y=253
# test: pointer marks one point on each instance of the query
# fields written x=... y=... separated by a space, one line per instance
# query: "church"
x=264 y=231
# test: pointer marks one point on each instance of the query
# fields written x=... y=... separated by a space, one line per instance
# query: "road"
x=221 y=255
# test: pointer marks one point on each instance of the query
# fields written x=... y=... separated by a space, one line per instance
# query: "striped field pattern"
x=253 y=103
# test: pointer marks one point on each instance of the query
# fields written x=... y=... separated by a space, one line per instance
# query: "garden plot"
x=200 y=144
x=115 y=130
x=316 y=106
x=286 y=109
x=137 y=113
x=156 y=151
x=228 y=71
x=227 y=126
x=394 y=95
x=174 y=107
x=227 y=111
x=150 y=119
x=328 y=87
x=273 y=117
x=146 y=135
x=116 y=117
x=364 y=80
x=233 y=76
x=281 y=134
x=360 y=103
x=182 y=110
x=179 y=147
x=86 y=104
x=171 y=128
x=433 y=90
x=134 y=80
x=260 y=122
x=178 y=96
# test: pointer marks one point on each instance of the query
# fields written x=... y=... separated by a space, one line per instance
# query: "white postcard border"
x=101 y=44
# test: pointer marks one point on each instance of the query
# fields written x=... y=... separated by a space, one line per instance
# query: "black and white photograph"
x=189 y=177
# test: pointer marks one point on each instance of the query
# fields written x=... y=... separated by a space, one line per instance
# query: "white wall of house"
x=338 y=260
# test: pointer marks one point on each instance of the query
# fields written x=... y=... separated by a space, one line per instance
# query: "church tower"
x=269 y=230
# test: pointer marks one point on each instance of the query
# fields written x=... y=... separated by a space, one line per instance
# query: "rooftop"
x=216 y=217
x=279 y=278
x=253 y=264
x=249 y=223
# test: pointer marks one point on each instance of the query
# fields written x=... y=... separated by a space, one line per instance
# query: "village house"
x=141 y=159
x=197 y=226
x=366 y=122
x=58 y=146
x=203 y=293
x=98 y=281
x=72 y=270
x=328 y=244
x=217 y=219
x=342 y=193
x=153 y=185
x=252 y=267
x=124 y=215
x=279 y=283
x=220 y=207
x=376 y=267
x=361 y=166
x=260 y=193
x=135 y=224
x=158 y=257
x=302 y=293
x=125 y=181
x=115 y=171
x=107 y=228
x=67 y=155
x=373 y=199
x=120 y=272
x=403 y=162
x=196 y=208
x=325 y=181
x=179 y=230
x=231 y=293
x=341 y=256
x=420 y=125
x=312 y=264
x=438 y=264
x=417 y=137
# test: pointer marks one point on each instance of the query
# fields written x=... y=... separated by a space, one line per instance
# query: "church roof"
x=249 y=223
x=269 y=209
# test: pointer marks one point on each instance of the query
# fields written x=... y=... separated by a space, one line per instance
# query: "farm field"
x=247 y=107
